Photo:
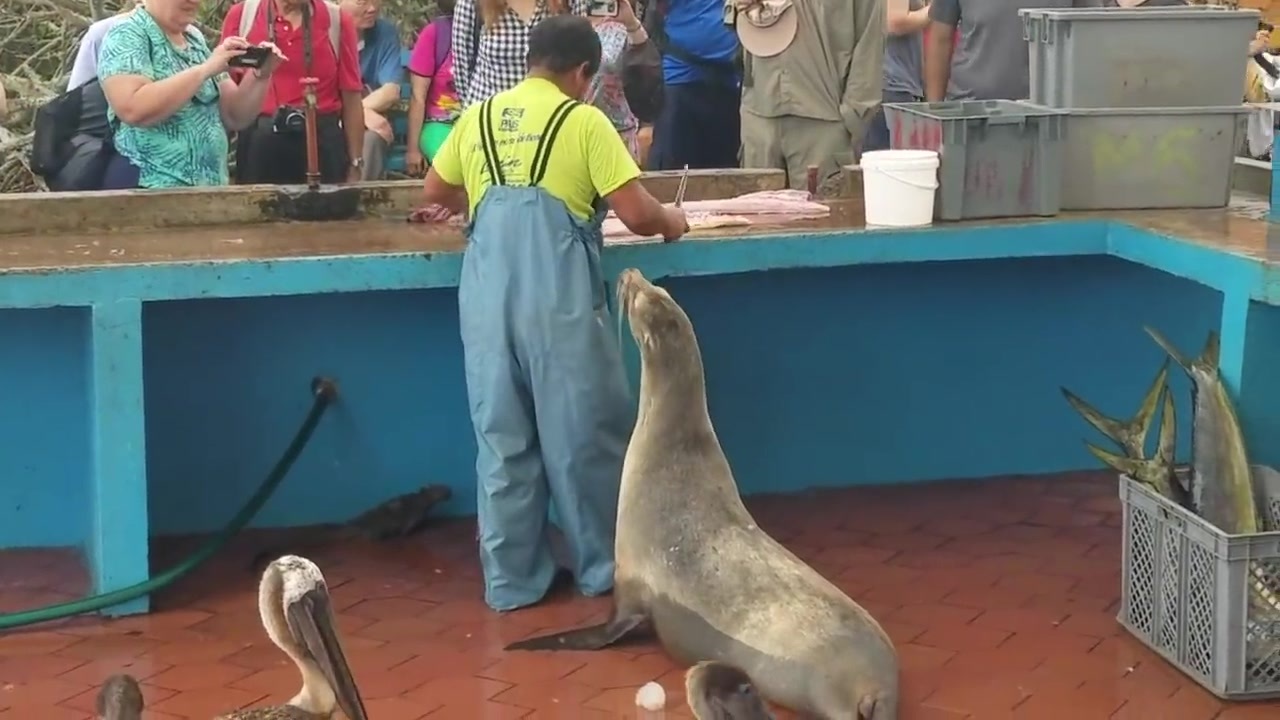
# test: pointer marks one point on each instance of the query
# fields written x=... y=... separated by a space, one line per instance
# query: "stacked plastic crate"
x=1154 y=98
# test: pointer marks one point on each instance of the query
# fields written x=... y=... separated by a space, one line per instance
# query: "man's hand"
x=675 y=224
x=355 y=174
x=414 y=163
x=273 y=60
x=1261 y=42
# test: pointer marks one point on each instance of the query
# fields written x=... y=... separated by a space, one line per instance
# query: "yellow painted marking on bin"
x=1169 y=155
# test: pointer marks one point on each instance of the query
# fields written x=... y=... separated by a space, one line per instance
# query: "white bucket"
x=898 y=187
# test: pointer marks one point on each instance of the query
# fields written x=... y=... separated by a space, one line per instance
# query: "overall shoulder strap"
x=248 y=13
x=489 y=145
x=542 y=153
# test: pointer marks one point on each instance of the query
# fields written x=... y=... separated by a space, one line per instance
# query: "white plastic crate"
x=1207 y=601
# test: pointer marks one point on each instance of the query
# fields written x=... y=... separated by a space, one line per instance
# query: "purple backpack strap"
x=444 y=39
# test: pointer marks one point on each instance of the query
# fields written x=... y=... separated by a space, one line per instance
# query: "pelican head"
x=120 y=699
x=716 y=691
x=298 y=617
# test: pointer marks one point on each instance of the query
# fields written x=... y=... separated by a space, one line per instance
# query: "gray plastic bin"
x=1206 y=601
x=1142 y=57
x=1127 y=158
x=998 y=158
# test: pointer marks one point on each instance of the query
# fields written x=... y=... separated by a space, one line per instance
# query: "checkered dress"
x=501 y=62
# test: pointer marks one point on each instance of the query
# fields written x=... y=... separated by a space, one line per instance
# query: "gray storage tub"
x=998 y=158
x=1128 y=158
x=1140 y=57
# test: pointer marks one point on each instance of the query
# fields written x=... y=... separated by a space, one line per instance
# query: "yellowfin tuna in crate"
x=1201 y=555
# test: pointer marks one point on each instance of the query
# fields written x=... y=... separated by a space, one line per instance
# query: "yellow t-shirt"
x=587 y=160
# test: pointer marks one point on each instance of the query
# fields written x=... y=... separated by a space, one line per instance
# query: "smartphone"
x=253 y=57
x=603 y=8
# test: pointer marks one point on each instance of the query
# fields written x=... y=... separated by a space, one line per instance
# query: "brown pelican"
x=716 y=691
x=294 y=602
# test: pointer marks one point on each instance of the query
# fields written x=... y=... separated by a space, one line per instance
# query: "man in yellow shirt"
x=548 y=392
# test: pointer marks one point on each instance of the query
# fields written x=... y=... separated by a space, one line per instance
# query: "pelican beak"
x=311 y=621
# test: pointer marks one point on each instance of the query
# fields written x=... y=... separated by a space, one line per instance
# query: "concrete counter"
x=153 y=376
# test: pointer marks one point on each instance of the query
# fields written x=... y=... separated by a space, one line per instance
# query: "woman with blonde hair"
x=491 y=39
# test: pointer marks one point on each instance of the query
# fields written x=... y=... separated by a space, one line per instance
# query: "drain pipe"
x=324 y=392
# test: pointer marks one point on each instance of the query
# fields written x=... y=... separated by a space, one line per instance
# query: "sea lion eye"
x=746 y=689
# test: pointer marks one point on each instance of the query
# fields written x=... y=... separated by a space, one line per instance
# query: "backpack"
x=443 y=48
x=250 y=13
x=79 y=111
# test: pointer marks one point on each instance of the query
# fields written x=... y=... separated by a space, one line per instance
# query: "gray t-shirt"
x=990 y=61
x=902 y=60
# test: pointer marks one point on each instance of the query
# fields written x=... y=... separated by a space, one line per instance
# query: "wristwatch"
x=357 y=162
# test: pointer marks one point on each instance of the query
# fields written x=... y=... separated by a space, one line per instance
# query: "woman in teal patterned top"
x=170 y=99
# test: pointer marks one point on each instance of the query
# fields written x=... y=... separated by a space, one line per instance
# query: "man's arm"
x=945 y=15
x=351 y=88
x=387 y=79
x=900 y=19
x=616 y=178
x=864 y=79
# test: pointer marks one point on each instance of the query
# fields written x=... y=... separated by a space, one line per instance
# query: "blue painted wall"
x=44 y=427
x=816 y=377
x=862 y=374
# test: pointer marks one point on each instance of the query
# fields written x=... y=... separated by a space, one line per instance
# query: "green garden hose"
x=324 y=391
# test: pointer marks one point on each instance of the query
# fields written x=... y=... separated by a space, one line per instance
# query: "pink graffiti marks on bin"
x=919 y=134
x=982 y=179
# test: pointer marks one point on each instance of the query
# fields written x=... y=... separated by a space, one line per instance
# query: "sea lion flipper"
x=595 y=637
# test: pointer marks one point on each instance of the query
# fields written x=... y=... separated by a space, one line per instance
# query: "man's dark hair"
x=561 y=43
x=444 y=8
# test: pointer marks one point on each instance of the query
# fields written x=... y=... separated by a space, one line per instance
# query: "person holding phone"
x=537 y=170
x=616 y=23
x=321 y=42
x=171 y=100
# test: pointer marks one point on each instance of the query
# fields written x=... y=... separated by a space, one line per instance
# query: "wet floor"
x=1000 y=595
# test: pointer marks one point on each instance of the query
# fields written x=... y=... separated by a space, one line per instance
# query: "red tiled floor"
x=1000 y=596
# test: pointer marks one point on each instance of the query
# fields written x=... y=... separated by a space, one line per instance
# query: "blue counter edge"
x=118 y=551
x=147 y=282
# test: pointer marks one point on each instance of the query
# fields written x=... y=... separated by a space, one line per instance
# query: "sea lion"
x=119 y=699
x=716 y=691
x=693 y=564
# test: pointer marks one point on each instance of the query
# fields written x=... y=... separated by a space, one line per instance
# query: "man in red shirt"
x=319 y=41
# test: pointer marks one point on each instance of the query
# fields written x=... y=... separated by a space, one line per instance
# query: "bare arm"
x=642 y=213
x=138 y=101
x=901 y=20
x=436 y=191
x=383 y=99
x=945 y=15
x=241 y=104
x=937 y=62
x=417 y=106
x=353 y=123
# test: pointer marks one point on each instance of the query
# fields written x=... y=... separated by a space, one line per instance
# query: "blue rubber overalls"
x=548 y=393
